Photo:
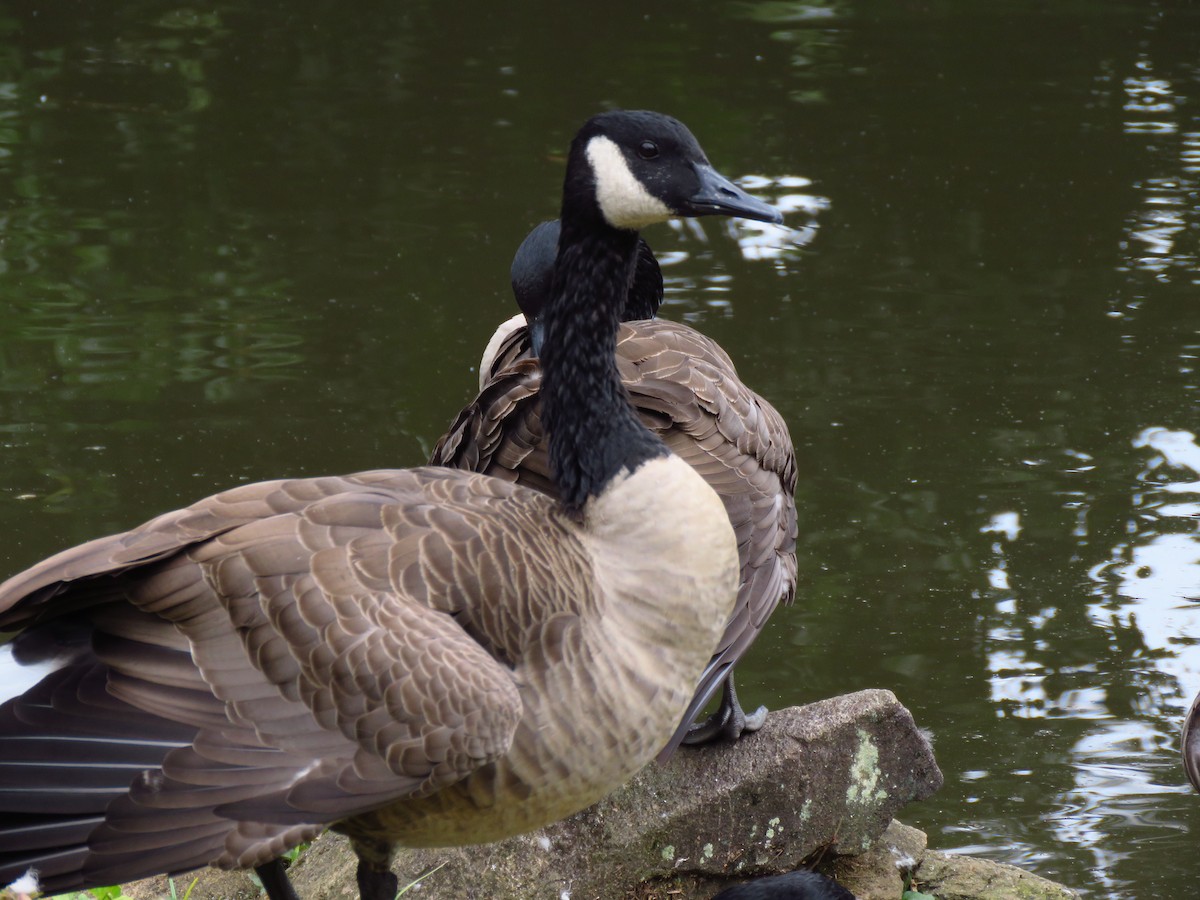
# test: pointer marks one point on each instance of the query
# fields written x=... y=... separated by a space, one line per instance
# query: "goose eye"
x=647 y=150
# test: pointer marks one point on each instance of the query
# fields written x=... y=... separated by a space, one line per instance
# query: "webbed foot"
x=728 y=723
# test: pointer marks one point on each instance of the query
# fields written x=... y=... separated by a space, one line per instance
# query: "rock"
x=827 y=777
x=878 y=874
x=951 y=877
x=818 y=784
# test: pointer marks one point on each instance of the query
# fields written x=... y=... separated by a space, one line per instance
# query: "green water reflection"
x=243 y=241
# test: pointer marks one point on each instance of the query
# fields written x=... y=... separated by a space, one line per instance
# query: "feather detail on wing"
x=288 y=653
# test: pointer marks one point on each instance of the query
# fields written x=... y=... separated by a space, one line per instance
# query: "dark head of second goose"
x=532 y=275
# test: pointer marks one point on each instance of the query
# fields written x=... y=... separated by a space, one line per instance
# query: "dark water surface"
x=239 y=241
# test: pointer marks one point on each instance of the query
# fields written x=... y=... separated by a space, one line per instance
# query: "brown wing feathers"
x=307 y=573
x=359 y=690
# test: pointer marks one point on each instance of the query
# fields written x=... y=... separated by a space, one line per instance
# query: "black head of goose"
x=686 y=391
x=423 y=656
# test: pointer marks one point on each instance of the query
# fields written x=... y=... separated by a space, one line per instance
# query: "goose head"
x=625 y=170
x=532 y=276
x=634 y=168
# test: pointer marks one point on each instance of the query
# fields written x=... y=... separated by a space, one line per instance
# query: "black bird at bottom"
x=799 y=885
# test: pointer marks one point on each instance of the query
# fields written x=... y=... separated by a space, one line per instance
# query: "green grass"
x=404 y=890
x=117 y=892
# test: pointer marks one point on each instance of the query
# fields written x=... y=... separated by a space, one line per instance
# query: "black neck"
x=593 y=431
x=645 y=286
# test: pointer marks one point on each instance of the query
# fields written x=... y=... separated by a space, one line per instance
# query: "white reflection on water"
x=778 y=245
x=1145 y=589
x=1147 y=95
x=1189 y=154
x=1156 y=233
x=762 y=240
x=1005 y=523
x=1126 y=709
x=1157 y=226
x=1119 y=766
x=1176 y=449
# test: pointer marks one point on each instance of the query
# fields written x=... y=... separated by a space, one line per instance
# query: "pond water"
x=240 y=241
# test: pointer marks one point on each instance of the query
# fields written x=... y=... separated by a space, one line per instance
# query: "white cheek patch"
x=623 y=199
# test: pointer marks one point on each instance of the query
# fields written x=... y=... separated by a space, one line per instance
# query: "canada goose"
x=423 y=657
x=686 y=390
x=799 y=885
x=1190 y=744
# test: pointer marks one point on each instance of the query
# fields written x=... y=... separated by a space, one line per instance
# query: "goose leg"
x=275 y=881
x=376 y=884
x=374 y=875
x=729 y=722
